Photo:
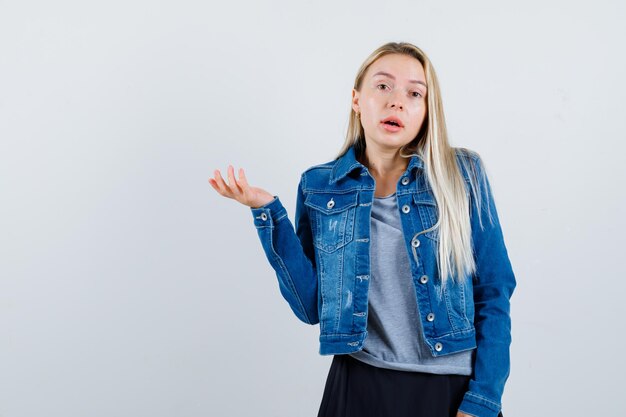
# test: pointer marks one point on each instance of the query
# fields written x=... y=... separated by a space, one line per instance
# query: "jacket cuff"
x=269 y=213
x=478 y=406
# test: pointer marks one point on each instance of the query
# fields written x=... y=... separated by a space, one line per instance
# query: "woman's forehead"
x=396 y=66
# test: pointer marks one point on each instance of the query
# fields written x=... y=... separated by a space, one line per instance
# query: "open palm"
x=239 y=189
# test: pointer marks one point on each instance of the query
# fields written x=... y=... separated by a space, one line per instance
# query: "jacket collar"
x=348 y=162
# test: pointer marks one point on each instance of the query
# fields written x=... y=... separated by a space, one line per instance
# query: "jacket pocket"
x=457 y=297
x=332 y=218
x=427 y=209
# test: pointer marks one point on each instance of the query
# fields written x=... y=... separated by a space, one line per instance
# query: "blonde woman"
x=397 y=254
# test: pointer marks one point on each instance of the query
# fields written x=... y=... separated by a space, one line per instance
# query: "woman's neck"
x=383 y=164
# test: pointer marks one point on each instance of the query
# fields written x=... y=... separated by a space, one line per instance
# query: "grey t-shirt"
x=395 y=338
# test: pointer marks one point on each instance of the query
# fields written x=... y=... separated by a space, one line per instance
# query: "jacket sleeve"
x=290 y=253
x=493 y=284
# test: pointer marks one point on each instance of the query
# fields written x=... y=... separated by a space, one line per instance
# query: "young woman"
x=397 y=253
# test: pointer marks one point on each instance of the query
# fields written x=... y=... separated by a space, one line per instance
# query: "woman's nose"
x=396 y=102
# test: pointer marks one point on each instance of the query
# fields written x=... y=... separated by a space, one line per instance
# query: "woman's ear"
x=355 y=101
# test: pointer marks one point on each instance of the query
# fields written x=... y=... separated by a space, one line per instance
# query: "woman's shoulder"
x=470 y=161
x=467 y=153
x=325 y=166
x=317 y=175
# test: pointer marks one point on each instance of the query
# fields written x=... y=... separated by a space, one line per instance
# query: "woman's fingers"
x=242 y=179
x=232 y=182
x=221 y=185
x=238 y=188
x=231 y=188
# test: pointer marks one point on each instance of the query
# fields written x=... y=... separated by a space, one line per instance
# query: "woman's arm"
x=493 y=283
x=290 y=253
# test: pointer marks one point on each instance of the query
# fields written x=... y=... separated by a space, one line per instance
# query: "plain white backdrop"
x=129 y=287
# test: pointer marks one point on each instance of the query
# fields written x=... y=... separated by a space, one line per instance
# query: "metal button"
x=415 y=243
x=406 y=208
x=430 y=317
x=330 y=204
x=263 y=216
x=424 y=279
x=405 y=180
x=438 y=347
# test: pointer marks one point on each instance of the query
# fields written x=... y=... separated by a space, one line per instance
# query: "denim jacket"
x=323 y=267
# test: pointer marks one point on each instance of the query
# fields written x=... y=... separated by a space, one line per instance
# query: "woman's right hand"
x=239 y=190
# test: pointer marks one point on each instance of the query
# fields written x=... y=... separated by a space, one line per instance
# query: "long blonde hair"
x=455 y=253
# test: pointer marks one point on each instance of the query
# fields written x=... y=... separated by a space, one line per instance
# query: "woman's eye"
x=384 y=85
x=416 y=94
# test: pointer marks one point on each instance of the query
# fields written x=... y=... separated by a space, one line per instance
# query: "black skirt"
x=357 y=389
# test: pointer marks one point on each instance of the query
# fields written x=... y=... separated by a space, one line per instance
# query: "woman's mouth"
x=391 y=126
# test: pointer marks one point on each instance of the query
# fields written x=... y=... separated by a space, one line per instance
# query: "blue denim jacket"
x=323 y=267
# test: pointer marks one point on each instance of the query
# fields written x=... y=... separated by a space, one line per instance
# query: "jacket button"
x=405 y=180
x=430 y=317
x=438 y=347
x=263 y=216
x=415 y=243
x=406 y=208
x=424 y=279
x=330 y=204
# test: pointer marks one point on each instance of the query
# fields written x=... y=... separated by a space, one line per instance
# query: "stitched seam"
x=346 y=191
x=482 y=398
x=286 y=272
x=465 y=331
x=280 y=218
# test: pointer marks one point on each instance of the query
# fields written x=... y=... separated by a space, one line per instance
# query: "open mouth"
x=392 y=121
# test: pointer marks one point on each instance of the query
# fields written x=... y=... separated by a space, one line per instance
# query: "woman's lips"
x=391 y=128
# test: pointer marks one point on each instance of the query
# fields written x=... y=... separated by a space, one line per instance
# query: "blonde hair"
x=455 y=253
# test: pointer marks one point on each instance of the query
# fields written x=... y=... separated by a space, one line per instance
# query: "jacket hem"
x=338 y=344
x=478 y=406
x=453 y=342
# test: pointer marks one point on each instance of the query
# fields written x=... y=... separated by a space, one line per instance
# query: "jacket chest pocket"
x=332 y=219
x=427 y=209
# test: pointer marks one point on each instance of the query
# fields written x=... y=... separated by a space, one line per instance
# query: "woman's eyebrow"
x=386 y=74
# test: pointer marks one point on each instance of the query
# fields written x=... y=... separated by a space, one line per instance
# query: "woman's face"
x=393 y=86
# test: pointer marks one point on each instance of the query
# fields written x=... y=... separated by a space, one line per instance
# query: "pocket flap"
x=424 y=197
x=331 y=203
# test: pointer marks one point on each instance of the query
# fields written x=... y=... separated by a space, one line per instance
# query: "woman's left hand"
x=462 y=414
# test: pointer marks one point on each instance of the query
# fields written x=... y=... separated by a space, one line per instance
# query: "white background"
x=129 y=287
